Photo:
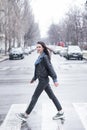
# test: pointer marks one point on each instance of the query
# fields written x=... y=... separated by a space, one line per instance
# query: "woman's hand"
x=56 y=84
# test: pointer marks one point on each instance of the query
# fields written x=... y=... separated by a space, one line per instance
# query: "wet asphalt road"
x=15 y=88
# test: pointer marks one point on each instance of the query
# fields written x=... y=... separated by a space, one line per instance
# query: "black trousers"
x=43 y=85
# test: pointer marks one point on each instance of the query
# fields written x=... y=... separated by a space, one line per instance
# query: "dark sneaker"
x=21 y=116
x=58 y=116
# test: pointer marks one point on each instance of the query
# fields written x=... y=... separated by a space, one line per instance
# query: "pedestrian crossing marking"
x=81 y=109
x=48 y=111
x=11 y=122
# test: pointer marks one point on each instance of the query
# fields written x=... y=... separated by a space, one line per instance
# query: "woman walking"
x=43 y=69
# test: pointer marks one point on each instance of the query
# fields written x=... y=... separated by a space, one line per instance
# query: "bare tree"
x=18 y=19
x=31 y=28
x=54 y=33
x=69 y=30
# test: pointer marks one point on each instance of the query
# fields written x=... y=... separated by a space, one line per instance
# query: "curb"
x=4 y=59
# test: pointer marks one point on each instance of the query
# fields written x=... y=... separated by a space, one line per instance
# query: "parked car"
x=57 y=49
x=74 y=51
x=27 y=51
x=63 y=52
x=16 y=53
x=33 y=48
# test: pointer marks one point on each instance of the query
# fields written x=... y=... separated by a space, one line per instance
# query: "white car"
x=63 y=51
x=57 y=49
x=27 y=51
x=16 y=53
x=74 y=51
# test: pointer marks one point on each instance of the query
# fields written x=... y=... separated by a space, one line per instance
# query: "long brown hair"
x=46 y=49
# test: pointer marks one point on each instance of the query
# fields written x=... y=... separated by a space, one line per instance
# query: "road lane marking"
x=81 y=109
x=11 y=122
x=48 y=111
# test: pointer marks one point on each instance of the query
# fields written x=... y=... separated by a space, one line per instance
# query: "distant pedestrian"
x=43 y=69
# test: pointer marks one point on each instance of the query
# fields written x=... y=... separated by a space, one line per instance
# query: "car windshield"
x=74 y=49
x=16 y=50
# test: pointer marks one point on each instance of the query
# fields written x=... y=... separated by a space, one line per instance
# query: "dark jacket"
x=43 y=69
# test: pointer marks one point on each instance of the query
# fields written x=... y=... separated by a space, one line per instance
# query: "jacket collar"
x=39 y=58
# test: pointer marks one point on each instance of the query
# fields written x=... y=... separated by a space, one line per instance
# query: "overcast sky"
x=51 y=11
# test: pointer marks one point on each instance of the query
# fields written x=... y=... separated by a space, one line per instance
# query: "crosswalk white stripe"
x=48 y=111
x=11 y=122
x=81 y=109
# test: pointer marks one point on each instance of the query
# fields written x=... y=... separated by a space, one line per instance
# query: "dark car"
x=74 y=52
x=16 y=53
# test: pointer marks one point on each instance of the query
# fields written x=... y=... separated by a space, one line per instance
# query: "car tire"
x=22 y=57
x=10 y=58
x=81 y=58
x=68 y=57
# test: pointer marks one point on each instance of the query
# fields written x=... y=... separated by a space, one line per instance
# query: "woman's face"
x=39 y=48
